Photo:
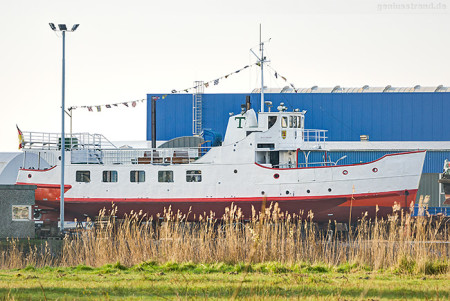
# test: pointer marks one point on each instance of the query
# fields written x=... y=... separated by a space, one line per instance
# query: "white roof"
x=363 y=89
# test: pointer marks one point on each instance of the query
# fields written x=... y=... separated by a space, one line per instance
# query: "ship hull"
x=339 y=193
x=339 y=209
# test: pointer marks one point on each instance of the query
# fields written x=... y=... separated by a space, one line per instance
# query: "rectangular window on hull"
x=193 y=175
x=109 y=176
x=83 y=176
x=137 y=176
x=165 y=176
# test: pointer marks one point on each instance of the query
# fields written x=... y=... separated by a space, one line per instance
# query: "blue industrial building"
x=407 y=116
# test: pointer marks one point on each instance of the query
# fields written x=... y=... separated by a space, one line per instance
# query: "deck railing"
x=52 y=141
x=163 y=156
x=310 y=135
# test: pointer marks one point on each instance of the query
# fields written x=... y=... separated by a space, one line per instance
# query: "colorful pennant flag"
x=21 y=139
x=216 y=82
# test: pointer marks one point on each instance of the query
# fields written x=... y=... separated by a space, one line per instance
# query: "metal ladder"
x=197 y=108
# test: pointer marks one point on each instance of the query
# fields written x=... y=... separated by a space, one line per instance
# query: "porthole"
x=308 y=191
x=329 y=189
x=375 y=169
x=235 y=171
x=262 y=192
x=287 y=191
x=29 y=176
x=345 y=172
x=276 y=176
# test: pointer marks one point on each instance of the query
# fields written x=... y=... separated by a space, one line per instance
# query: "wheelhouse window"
x=272 y=120
x=165 y=176
x=284 y=122
x=291 y=121
x=83 y=176
x=109 y=176
x=137 y=176
x=193 y=175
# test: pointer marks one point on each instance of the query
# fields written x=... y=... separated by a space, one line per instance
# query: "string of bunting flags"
x=98 y=108
x=216 y=81
x=276 y=74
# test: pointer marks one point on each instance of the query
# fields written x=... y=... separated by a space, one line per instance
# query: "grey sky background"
x=126 y=49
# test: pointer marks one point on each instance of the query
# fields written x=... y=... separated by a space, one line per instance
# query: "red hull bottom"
x=338 y=209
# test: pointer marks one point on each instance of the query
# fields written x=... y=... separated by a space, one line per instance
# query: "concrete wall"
x=16 y=195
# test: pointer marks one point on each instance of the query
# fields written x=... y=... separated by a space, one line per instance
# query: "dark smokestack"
x=247 y=102
x=154 y=98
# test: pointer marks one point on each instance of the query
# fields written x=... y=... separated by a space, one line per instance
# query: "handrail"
x=165 y=156
x=313 y=135
x=52 y=141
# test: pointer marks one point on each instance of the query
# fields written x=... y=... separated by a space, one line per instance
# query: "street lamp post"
x=63 y=29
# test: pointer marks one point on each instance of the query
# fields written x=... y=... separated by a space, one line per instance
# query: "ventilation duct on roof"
x=336 y=89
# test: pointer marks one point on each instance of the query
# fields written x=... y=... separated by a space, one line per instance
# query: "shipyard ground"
x=220 y=281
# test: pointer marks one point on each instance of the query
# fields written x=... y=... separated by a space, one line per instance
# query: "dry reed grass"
x=408 y=244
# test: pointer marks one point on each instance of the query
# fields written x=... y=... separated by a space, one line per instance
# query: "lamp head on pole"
x=63 y=27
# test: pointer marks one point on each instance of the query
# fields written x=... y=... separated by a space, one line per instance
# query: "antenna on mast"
x=261 y=61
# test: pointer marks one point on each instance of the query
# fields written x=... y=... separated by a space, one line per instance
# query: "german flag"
x=21 y=140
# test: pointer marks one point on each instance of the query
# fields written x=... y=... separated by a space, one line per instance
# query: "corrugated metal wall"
x=429 y=186
x=346 y=116
x=173 y=116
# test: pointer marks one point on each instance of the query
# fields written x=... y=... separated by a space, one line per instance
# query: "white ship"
x=257 y=162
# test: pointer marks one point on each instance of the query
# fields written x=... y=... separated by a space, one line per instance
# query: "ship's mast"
x=261 y=61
